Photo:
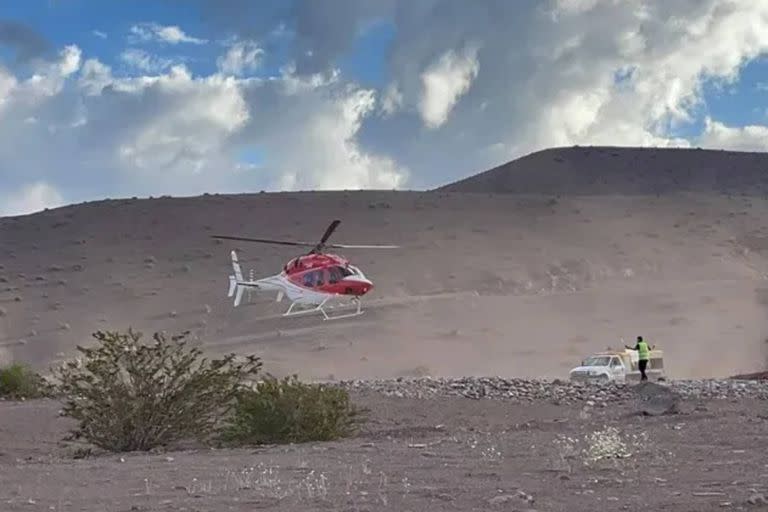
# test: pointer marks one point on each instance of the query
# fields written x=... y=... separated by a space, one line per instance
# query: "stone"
x=650 y=398
x=502 y=499
x=655 y=400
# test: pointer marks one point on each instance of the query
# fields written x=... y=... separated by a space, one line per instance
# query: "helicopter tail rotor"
x=235 y=288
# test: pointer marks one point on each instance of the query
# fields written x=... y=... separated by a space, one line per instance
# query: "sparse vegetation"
x=18 y=381
x=130 y=396
x=127 y=395
x=287 y=410
x=605 y=444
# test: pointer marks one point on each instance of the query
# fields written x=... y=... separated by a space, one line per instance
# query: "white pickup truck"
x=618 y=366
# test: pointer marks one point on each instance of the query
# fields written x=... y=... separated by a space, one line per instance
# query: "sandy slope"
x=485 y=283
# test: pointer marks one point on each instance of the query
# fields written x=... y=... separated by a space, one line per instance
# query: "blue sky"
x=746 y=101
x=346 y=94
x=102 y=29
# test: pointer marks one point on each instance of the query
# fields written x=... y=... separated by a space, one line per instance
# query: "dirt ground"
x=518 y=272
x=413 y=455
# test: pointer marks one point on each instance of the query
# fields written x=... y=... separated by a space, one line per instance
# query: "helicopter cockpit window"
x=334 y=275
x=313 y=278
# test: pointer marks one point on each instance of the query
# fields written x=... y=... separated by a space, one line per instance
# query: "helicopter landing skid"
x=322 y=309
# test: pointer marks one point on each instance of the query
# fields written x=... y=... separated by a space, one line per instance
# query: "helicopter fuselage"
x=327 y=273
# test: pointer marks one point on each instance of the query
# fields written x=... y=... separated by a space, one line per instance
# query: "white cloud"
x=190 y=129
x=575 y=6
x=242 y=56
x=444 y=82
x=7 y=84
x=314 y=135
x=745 y=138
x=392 y=100
x=30 y=198
x=144 y=61
x=94 y=77
x=99 y=34
x=50 y=77
x=175 y=133
x=170 y=34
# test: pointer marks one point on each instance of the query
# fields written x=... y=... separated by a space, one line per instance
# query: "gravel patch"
x=556 y=391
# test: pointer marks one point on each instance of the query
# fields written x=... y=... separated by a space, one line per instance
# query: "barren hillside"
x=625 y=171
x=520 y=271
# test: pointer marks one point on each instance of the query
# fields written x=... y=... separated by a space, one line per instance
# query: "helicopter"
x=314 y=282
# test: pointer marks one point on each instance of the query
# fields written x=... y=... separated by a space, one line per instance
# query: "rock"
x=500 y=500
x=650 y=398
x=655 y=399
x=757 y=499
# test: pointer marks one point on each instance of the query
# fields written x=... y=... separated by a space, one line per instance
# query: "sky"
x=182 y=97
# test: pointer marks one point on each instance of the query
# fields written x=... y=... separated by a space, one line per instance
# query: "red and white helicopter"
x=312 y=282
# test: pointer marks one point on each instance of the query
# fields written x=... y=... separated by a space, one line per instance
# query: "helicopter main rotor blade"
x=328 y=232
x=263 y=240
x=345 y=246
x=316 y=247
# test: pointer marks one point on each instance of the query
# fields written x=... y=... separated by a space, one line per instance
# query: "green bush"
x=18 y=381
x=129 y=396
x=289 y=411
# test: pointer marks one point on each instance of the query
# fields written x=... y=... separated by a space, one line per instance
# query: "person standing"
x=643 y=355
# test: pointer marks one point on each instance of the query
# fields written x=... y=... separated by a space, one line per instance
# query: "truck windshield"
x=596 y=361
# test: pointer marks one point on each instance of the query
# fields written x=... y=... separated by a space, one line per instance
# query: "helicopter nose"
x=360 y=285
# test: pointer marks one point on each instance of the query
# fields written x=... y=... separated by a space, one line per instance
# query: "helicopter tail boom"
x=238 y=284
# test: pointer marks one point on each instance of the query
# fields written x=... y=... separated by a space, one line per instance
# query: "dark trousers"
x=642 y=364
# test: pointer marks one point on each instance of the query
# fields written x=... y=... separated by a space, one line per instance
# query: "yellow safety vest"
x=642 y=352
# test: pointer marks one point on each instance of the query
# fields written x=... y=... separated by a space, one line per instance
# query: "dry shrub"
x=18 y=381
x=130 y=396
x=289 y=411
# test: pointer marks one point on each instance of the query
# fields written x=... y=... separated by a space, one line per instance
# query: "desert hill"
x=491 y=279
x=626 y=171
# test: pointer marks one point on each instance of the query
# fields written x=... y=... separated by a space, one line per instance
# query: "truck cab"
x=618 y=366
